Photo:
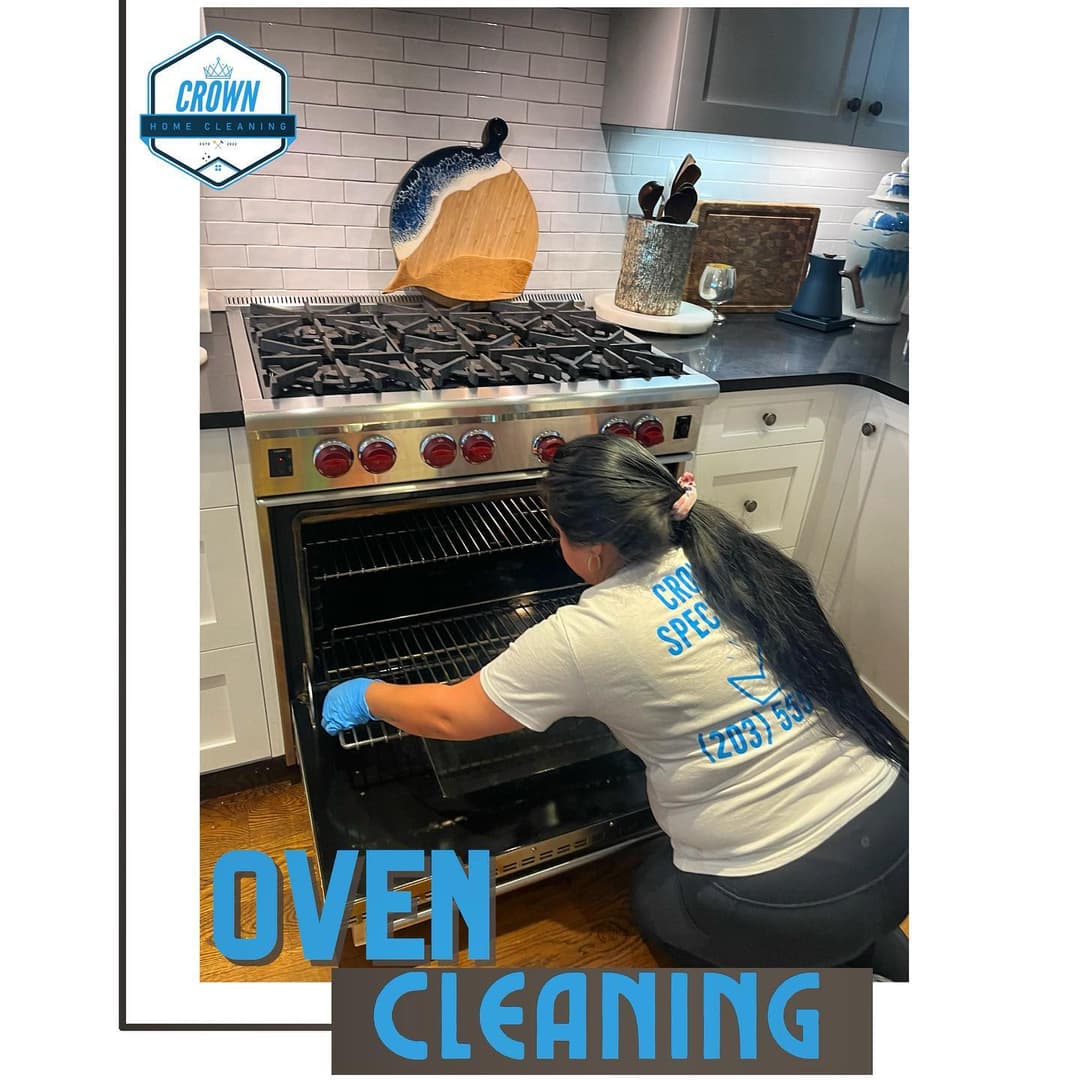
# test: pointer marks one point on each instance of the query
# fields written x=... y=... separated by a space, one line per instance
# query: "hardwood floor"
x=578 y=919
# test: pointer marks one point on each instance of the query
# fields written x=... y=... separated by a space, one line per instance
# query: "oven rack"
x=446 y=648
x=435 y=535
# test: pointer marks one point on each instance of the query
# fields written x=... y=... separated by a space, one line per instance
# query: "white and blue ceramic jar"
x=878 y=246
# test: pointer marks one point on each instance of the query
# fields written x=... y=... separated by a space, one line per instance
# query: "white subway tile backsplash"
x=395 y=123
x=471 y=82
x=420 y=76
x=377 y=46
x=312 y=235
x=391 y=172
x=406 y=23
x=341 y=168
x=219 y=209
x=318 y=91
x=345 y=214
x=251 y=187
x=554 y=159
x=557 y=67
x=514 y=86
x=233 y=277
x=297 y=38
x=572 y=93
x=240 y=232
x=338 y=118
x=504 y=16
x=585 y=48
x=371 y=96
x=346 y=258
x=340 y=68
x=318 y=280
x=559 y=115
x=312 y=141
x=530 y=135
x=337 y=18
x=367 y=238
x=220 y=255
x=459 y=129
x=577 y=181
x=280 y=256
x=437 y=53
x=290 y=187
x=573 y=22
x=467 y=32
x=275 y=210
x=534 y=41
x=374 y=146
x=511 y=111
x=437 y=103
x=376 y=194
x=375 y=89
x=508 y=63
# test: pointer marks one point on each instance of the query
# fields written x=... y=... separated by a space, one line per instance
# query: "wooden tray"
x=767 y=243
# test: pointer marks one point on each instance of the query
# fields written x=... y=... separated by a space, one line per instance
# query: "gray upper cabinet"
x=836 y=75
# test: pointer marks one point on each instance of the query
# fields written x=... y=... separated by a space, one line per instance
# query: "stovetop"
x=357 y=348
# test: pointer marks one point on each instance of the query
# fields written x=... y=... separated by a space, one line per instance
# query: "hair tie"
x=685 y=502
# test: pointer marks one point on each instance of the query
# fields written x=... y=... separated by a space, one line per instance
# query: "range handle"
x=307 y=695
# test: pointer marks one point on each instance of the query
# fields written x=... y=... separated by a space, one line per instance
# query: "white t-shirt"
x=740 y=773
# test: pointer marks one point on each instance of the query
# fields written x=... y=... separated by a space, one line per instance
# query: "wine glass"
x=717 y=286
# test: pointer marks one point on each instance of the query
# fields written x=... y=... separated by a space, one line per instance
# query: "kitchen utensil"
x=463 y=224
x=681 y=205
x=717 y=286
x=768 y=242
x=649 y=196
x=688 y=319
x=820 y=296
x=682 y=176
x=654 y=261
x=878 y=246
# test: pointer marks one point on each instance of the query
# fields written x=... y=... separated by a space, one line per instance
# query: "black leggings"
x=828 y=908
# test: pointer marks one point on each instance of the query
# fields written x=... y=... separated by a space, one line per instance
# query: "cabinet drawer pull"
x=868 y=428
x=750 y=506
x=769 y=418
x=874 y=108
x=854 y=104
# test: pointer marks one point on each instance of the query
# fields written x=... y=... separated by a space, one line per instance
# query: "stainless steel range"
x=395 y=451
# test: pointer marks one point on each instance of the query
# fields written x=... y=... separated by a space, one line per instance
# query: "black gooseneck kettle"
x=819 y=295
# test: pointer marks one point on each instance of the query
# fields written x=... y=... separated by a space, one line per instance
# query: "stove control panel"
x=360 y=455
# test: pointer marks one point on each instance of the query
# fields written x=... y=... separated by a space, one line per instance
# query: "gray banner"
x=616 y=1021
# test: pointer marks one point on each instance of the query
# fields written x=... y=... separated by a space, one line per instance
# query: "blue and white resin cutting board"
x=463 y=224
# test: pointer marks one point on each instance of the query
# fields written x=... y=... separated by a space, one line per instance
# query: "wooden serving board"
x=463 y=224
x=767 y=243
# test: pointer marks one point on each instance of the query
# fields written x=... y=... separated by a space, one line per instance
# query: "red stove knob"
x=547 y=444
x=648 y=431
x=377 y=454
x=618 y=426
x=477 y=447
x=333 y=458
x=438 y=450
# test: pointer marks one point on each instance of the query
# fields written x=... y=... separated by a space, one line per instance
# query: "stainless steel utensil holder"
x=655 y=261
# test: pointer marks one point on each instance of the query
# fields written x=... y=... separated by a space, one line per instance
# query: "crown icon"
x=217 y=70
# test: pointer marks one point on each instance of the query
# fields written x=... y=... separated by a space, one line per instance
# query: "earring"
x=594 y=570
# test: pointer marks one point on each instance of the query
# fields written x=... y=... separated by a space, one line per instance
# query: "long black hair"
x=608 y=488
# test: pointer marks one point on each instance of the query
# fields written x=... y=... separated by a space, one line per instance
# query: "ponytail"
x=603 y=488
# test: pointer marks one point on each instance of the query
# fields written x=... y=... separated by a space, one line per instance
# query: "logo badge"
x=218 y=111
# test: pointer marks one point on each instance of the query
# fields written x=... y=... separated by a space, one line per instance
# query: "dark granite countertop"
x=759 y=352
x=219 y=394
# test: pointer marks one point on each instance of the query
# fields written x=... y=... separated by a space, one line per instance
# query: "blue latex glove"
x=345 y=706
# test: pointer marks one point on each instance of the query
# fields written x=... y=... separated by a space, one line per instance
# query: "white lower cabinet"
x=863 y=584
x=232 y=716
x=224 y=597
x=767 y=489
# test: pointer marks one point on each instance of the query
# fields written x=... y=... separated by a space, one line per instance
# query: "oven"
x=424 y=573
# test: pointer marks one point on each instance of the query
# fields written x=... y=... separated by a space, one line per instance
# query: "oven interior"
x=429 y=589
